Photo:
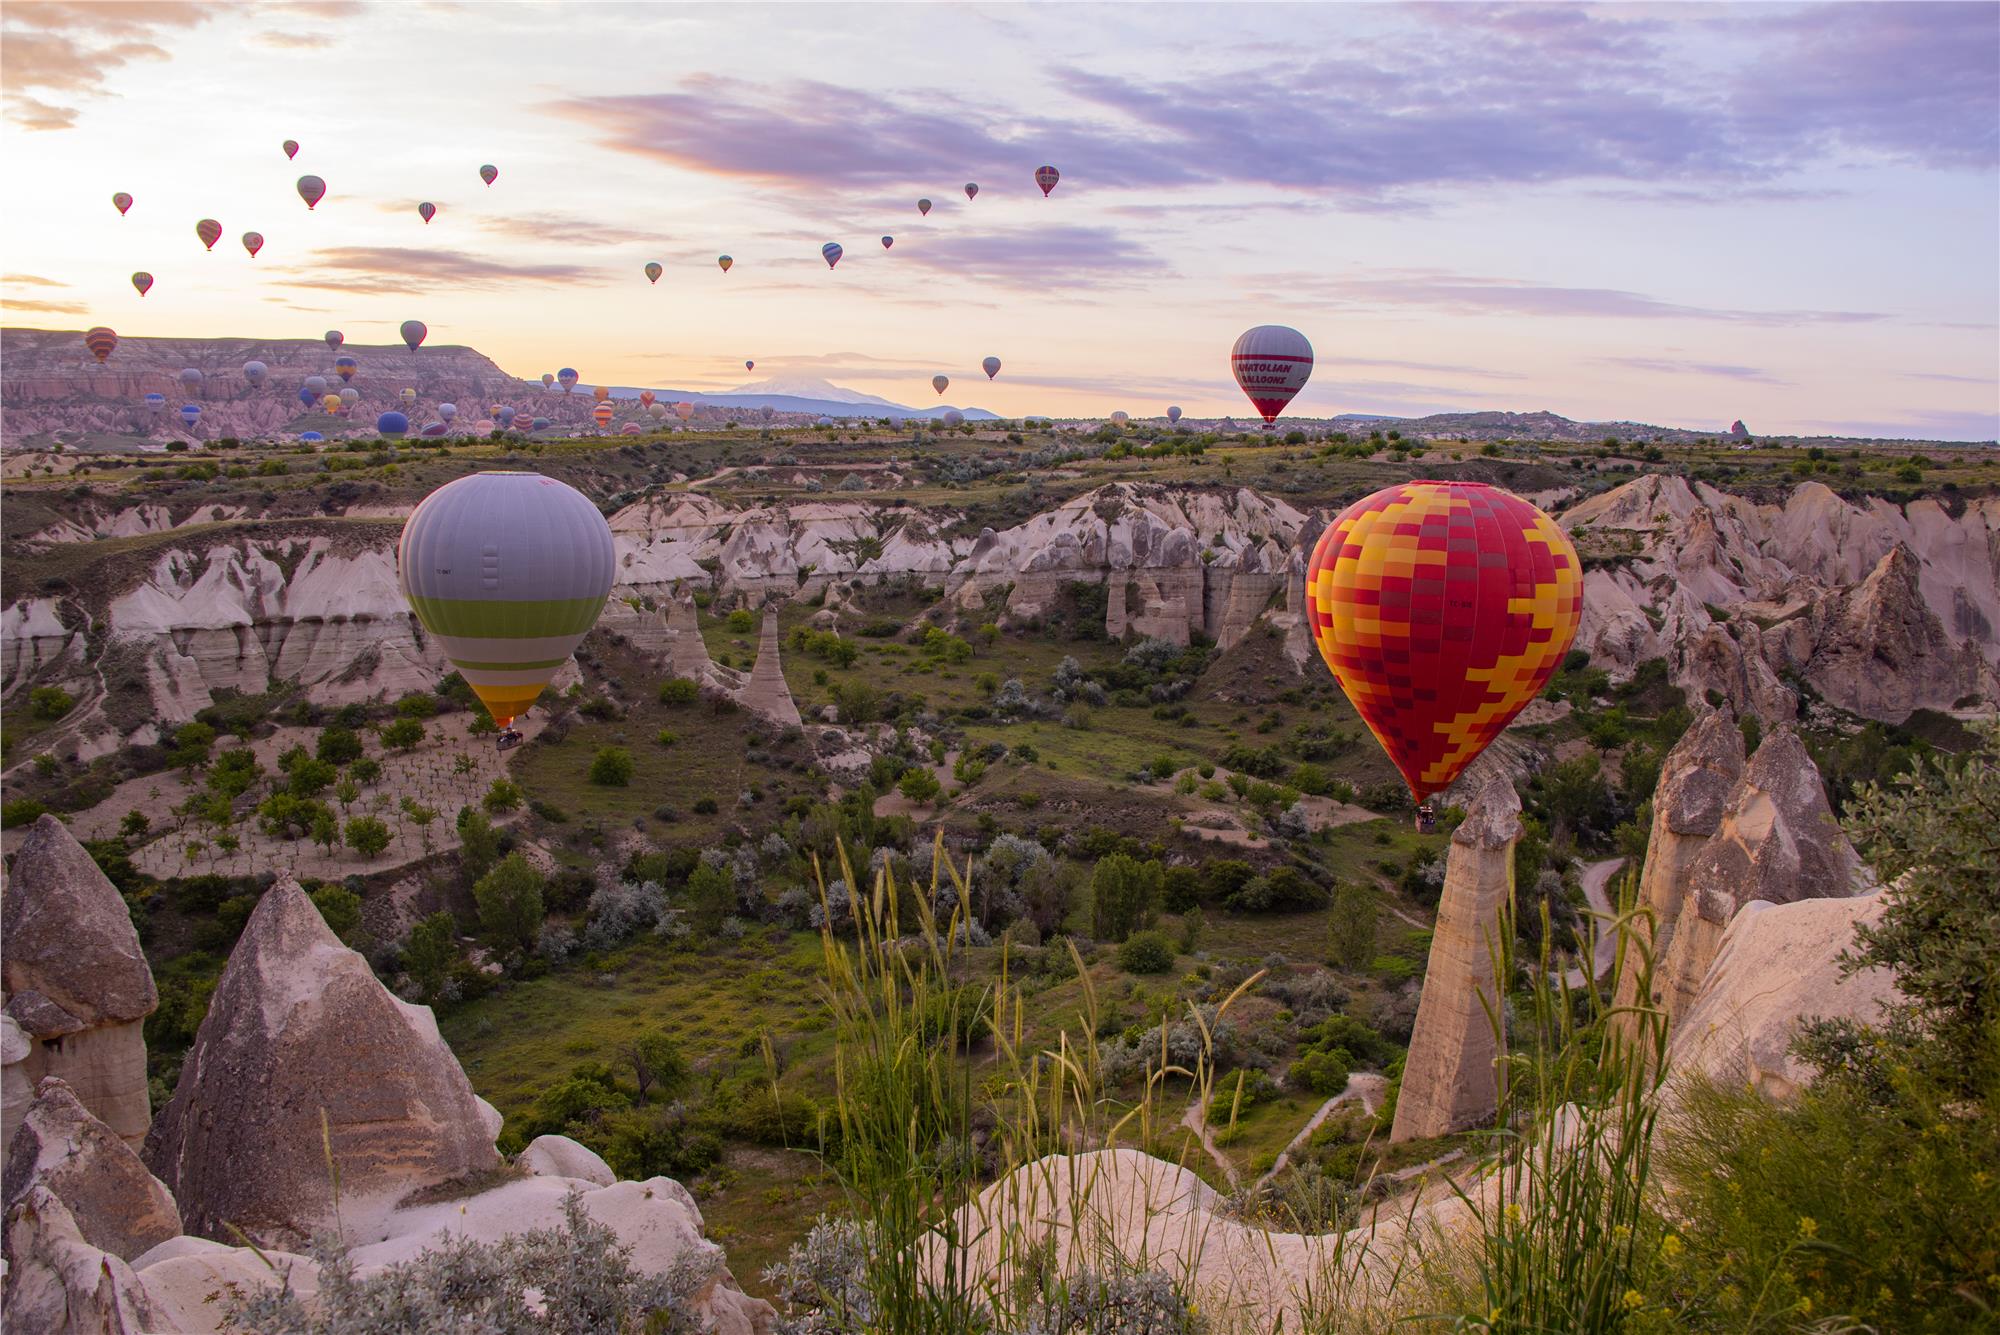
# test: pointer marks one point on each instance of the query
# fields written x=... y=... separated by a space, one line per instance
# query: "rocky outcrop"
x=766 y=693
x=76 y=982
x=1778 y=966
x=1449 y=1081
x=60 y=1148
x=559 y=1156
x=299 y=1030
x=1695 y=782
x=1776 y=841
x=59 y=1284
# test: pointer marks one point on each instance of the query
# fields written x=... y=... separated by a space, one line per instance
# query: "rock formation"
x=1738 y=431
x=559 y=1156
x=1776 y=841
x=76 y=983
x=1778 y=965
x=1695 y=782
x=60 y=1148
x=299 y=1029
x=765 y=692
x=687 y=652
x=59 y=1284
x=1449 y=1081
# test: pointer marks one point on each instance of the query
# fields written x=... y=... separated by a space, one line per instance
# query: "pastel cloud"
x=388 y=269
x=1481 y=295
x=69 y=49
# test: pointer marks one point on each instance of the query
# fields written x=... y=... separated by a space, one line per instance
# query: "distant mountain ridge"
x=820 y=397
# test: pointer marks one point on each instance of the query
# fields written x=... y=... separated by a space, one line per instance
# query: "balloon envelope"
x=1046 y=178
x=447 y=411
x=121 y=201
x=392 y=424
x=749 y=366
x=568 y=378
x=1442 y=608
x=923 y=207
x=156 y=401
x=488 y=172
x=601 y=393
x=312 y=190
x=330 y=402
x=991 y=366
x=317 y=384
x=409 y=395
x=190 y=377
x=646 y=397
x=547 y=380
x=1272 y=363
x=509 y=571
x=888 y=241
x=210 y=232
x=1173 y=414
x=427 y=210
x=602 y=414
x=522 y=421
x=1121 y=418
x=100 y=341
x=953 y=417
x=142 y=281
x=350 y=397
x=291 y=148
x=971 y=190
x=831 y=252
x=414 y=333
x=253 y=242
x=190 y=413
x=346 y=367
x=684 y=411
x=539 y=424
x=653 y=271
x=334 y=338
x=311 y=437
x=255 y=372
x=724 y=262
x=939 y=383
x=658 y=410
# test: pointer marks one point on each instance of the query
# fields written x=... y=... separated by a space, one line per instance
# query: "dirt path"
x=1366 y=1086
x=1596 y=878
x=1195 y=1119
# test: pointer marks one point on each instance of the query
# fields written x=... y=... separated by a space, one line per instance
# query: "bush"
x=1322 y=1073
x=504 y=795
x=1146 y=952
x=50 y=702
x=338 y=745
x=341 y=908
x=403 y=734
x=1125 y=893
x=919 y=785
x=367 y=836
x=20 y=811
x=611 y=767
x=429 y=954
x=679 y=691
x=510 y=902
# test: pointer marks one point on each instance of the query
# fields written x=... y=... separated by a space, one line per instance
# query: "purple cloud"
x=376 y=269
x=69 y=48
x=1478 y=295
x=1036 y=257
x=1669 y=366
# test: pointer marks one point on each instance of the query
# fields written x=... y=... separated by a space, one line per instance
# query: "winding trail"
x=1195 y=1119
x=1366 y=1086
x=1596 y=877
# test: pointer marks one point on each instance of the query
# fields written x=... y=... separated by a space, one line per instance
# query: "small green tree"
x=429 y=954
x=919 y=785
x=341 y=908
x=678 y=691
x=504 y=795
x=1125 y=893
x=510 y=902
x=1351 y=925
x=479 y=846
x=338 y=745
x=367 y=836
x=656 y=1060
x=611 y=767
x=50 y=702
x=403 y=734
x=1146 y=952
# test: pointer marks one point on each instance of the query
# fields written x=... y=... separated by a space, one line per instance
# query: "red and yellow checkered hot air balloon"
x=1442 y=608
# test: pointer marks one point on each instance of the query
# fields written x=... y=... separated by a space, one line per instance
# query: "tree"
x=325 y=827
x=429 y=954
x=341 y=908
x=403 y=734
x=479 y=847
x=711 y=894
x=919 y=785
x=1351 y=925
x=367 y=836
x=309 y=777
x=504 y=795
x=655 y=1060
x=1125 y=893
x=510 y=902
x=50 y=702
x=338 y=745
x=611 y=767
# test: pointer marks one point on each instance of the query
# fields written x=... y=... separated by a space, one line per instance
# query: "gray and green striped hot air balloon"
x=509 y=571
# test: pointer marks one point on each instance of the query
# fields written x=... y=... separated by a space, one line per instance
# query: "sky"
x=1677 y=214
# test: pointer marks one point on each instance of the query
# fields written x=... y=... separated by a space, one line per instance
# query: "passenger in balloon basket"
x=1426 y=818
x=509 y=738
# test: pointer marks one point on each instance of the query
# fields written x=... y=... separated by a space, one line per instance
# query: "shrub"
x=479 y=845
x=50 y=702
x=429 y=954
x=1146 y=952
x=919 y=785
x=1125 y=893
x=367 y=835
x=504 y=795
x=403 y=734
x=20 y=811
x=679 y=691
x=1351 y=925
x=611 y=767
x=341 y=908
x=510 y=902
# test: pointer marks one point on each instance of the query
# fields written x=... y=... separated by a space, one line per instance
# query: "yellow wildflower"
x=1513 y=1214
x=1670 y=1246
x=1808 y=1226
x=1803 y=1306
x=1634 y=1300
x=1621 y=1233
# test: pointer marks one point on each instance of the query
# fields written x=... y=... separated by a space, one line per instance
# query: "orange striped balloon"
x=602 y=412
x=100 y=341
x=1442 y=609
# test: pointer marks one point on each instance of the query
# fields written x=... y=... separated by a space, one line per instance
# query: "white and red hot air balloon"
x=1272 y=364
x=1046 y=178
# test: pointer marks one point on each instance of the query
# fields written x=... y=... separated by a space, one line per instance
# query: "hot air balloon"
x=724 y=261
x=547 y=380
x=414 y=333
x=157 y=402
x=659 y=411
x=210 y=232
x=1121 y=418
x=522 y=421
x=888 y=241
x=653 y=271
x=509 y=572
x=317 y=384
x=601 y=414
x=143 y=281
x=1272 y=363
x=100 y=341
x=255 y=372
x=831 y=252
x=409 y=395
x=923 y=208
x=190 y=414
x=349 y=397
x=953 y=417
x=991 y=366
x=749 y=366
x=1173 y=414
x=684 y=411
x=500 y=413
x=311 y=437
x=630 y=429
x=331 y=403
x=600 y=393
x=306 y=397
x=1046 y=177
x=434 y=430
x=391 y=424
x=488 y=172
x=345 y=367
x=253 y=242
x=291 y=149
x=539 y=424
x=447 y=411
x=646 y=397
x=1442 y=608
x=312 y=190
x=334 y=338
x=121 y=201
x=972 y=190
x=939 y=383
x=568 y=378
x=191 y=377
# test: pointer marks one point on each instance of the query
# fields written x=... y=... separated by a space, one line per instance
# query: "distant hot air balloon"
x=923 y=207
x=509 y=572
x=749 y=366
x=658 y=410
x=143 y=281
x=253 y=242
x=602 y=414
x=991 y=366
x=191 y=377
x=888 y=241
x=317 y=384
x=1272 y=363
x=447 y=411
x=940 y=382
x=972 y=190
x=630 y=429
x=190 y=414
x=427 y=210
x=345 y=367
x=724 y=262
x=646 y=397
x=1046 y=178
x=684 y=411
x=312 y=190
x=121 y=201
x=255 y=372
x=1173 y=414
x=306 y=397
x=568 y=378
x=311 y=437
x=653 y=271
x=522 y=421
x=600 y=393
x=1121 y=417
x=500 y=413
x=414 y=333
x=488 y=172
x=1442 y=608
x=334 y=338
x=953 y=417
x=210 y=232
x=547 y=380
x=157 y=402
x=100 y=341
x=409 y=395
x=831 y=252
x=539 y=424
x=349 y=397
x=291 y=149
x=391 y=424
x=434 y=430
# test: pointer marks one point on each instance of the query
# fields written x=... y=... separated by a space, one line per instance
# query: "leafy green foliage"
x=1125 y=893
x=611 y=767
x=510 y=902
x=1146 y=952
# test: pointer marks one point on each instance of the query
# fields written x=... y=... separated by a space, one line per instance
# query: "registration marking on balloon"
x=1442 y=608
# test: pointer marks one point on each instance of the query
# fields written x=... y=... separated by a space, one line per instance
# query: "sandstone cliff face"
x=1776 y=841
x=1449 y=1082
x=77 y=985
x=300 y=1018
